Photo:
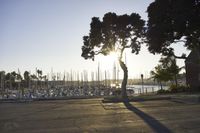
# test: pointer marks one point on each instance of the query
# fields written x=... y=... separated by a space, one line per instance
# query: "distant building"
x=192 y=64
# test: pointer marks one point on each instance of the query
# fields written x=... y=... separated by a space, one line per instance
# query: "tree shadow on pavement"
x=152 y=122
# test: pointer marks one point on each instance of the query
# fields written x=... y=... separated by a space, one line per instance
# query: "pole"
x=142 y=83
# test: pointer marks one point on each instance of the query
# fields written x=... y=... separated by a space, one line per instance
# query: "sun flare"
x=107 y=61
x=113 y=56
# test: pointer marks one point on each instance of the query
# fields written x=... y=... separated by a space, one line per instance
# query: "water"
x=146 y=88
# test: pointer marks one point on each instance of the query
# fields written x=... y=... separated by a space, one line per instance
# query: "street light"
x=142 y=76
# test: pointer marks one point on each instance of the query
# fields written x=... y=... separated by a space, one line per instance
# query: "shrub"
x=162 y=91
x=179 y=88
x=117 y=92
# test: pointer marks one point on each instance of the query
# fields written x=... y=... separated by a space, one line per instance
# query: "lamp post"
x=142 y=76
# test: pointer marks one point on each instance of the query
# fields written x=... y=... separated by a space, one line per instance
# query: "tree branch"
x=128 y=46
x=97 y=52
x=179 y=57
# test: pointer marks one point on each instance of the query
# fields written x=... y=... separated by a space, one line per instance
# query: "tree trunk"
x=124 y=82
x=175 y=78
x=161 y=85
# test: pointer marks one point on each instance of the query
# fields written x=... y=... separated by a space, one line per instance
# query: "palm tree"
x=26 y=78
x=39 y=75
x=33 y=78
x=2 y=79
x=169 y=63
x=160 y=75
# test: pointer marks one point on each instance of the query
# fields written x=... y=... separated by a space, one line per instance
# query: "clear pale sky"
x=48 y=34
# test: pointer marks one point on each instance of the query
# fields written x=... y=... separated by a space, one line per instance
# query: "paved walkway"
x=91 y=115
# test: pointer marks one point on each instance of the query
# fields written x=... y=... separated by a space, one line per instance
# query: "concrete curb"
x=176 y=98
x=186 y=98
x=44 y=99
x=137 y=99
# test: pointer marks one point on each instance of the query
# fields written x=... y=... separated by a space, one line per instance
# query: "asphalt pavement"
x=91 y=115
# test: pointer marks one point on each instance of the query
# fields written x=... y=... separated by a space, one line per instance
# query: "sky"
x=47 y=34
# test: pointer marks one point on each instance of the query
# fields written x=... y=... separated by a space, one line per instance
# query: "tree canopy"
x=114 y=33
x=166 y=70
x=173 y=21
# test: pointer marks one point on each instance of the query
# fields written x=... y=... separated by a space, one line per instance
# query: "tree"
x=173 y=21
x=10 y=80
x=166 y=70
x=114 y=33
x=33 y=77
x=26 y=78
x=2 y=79
x=16 y=79
x=160 y=74
x=169 y=63
x=39 y=73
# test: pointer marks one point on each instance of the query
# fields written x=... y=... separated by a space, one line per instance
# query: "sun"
x=113 y=56
x=107 y=61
